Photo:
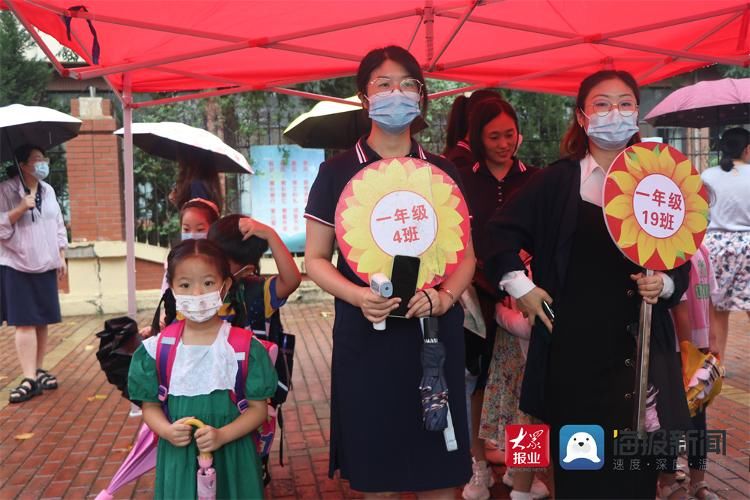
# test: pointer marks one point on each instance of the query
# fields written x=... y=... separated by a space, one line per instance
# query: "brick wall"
x=148 y=275
x=94 y=174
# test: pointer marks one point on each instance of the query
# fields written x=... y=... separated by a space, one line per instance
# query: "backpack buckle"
x=162 y=393
x=242 y=405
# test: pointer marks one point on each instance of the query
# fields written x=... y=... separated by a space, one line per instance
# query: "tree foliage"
x=22 y=81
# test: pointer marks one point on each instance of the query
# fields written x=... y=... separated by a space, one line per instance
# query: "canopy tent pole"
x=127 y=156
x=453 y=34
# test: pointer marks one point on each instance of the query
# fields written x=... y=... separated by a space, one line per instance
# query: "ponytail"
x=732 y=145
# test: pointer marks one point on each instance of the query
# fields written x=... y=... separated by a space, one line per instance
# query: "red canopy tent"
x=214 y=47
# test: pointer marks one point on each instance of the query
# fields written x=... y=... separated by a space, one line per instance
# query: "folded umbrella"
x=433 y=386
x=206 y=475
x=141 y=459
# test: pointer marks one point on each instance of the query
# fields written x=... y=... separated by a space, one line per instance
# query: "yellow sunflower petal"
x=634 y=167
x=682 y=171
x=621 y=207
x=684 y=241
x=646 y=246
x=647 y=159
x=628 y=232
x=696 y=222
x=695 y=203
x=625 y=181
x=371 y=261
x=691 y=184
x=666 y=163
x=667 y=252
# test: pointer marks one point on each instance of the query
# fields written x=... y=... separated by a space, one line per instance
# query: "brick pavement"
x=79 y=440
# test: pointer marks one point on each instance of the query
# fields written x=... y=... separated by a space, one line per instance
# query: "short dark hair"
x=226 y=233
x=203 y=248
x=575 y=143
x=21 y=154
x=397 y=54
x=490 y=109
x=733 y=142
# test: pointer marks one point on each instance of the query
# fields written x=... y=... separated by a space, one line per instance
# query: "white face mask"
x=613 y=131
x=199 y=308
x=194 y=236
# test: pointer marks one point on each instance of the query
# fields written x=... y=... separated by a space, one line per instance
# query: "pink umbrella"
x=705 y=104
x=141 y=459
x=206 y=475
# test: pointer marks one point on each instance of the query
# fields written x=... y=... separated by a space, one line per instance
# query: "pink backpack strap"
x=166 y=350
x=240 y=340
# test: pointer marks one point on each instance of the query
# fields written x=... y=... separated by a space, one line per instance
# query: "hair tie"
x=210 y=204
x=428 y=299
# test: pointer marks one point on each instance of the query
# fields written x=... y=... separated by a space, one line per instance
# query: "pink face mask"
x=199 y=308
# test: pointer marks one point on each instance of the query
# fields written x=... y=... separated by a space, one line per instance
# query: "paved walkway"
x=81 y=432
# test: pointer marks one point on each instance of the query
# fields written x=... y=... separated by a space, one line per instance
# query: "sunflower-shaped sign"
x=402 y=206
x=655 y=206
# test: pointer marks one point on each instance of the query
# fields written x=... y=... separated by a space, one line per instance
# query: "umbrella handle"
x=204 y=455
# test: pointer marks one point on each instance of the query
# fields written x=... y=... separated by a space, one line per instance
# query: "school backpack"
x=240 y=340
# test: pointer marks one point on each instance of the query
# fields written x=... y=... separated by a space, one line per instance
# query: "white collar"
x=589 y=166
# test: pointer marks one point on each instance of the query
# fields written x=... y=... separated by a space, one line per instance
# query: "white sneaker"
x=135 y=411
x=520 y=495
x=538 y=491
x=478 y=487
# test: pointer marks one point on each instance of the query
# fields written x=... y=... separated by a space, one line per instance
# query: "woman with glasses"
x=33 y=239
x=580 y=368
x=378 y=439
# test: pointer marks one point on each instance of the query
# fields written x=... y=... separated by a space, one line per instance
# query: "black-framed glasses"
x=389 y=84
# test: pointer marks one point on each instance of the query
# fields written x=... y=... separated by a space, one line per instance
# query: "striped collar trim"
x=521 y=166
x=363 y=157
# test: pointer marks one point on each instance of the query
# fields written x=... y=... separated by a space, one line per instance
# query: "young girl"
x=196 y=216
x=203 y=374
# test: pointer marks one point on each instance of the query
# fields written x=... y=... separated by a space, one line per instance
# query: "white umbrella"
x=166 y=139
x=37 y=125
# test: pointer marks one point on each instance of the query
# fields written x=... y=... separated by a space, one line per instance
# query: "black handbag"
x=117 y=343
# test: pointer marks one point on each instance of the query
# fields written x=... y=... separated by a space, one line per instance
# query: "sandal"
x=708 y=493
x=27 y=389
x=667 y=491
x=46 y=380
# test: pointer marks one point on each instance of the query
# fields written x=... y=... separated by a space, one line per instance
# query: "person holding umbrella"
x=378 y=437
x=196 y=178
x=33 y=240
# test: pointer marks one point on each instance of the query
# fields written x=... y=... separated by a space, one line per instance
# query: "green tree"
x=22 y=81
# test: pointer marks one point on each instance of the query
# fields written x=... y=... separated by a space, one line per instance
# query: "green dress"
x=238 y=469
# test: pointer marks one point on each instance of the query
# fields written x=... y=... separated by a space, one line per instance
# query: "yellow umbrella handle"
x=198 y=424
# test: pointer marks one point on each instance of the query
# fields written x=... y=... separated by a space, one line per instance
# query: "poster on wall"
x=278 y=191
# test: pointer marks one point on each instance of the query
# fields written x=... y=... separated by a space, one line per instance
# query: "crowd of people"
x=538 y=244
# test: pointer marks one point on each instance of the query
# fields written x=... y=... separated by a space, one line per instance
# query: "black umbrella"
x=333 y=125
x=433 y=387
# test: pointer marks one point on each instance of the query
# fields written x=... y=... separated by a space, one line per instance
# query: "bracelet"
x=450 y=294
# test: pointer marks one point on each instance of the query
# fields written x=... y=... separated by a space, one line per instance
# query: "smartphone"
x=404 y=279
x=548 y=311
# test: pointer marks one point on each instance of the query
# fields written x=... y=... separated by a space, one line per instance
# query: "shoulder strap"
x=166 y=350
x=240 y=340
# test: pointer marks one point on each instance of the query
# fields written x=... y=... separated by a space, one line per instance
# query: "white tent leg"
x=127 y=153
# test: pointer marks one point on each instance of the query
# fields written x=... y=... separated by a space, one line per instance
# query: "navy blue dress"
x=378 y=439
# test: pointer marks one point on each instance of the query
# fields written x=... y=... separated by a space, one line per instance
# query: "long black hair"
x=732 y=145
x=225 y=232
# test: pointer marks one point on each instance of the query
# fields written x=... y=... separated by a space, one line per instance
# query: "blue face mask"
x=194 y=236
x=394 y=111
x=613 y=131
x=41 y=170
